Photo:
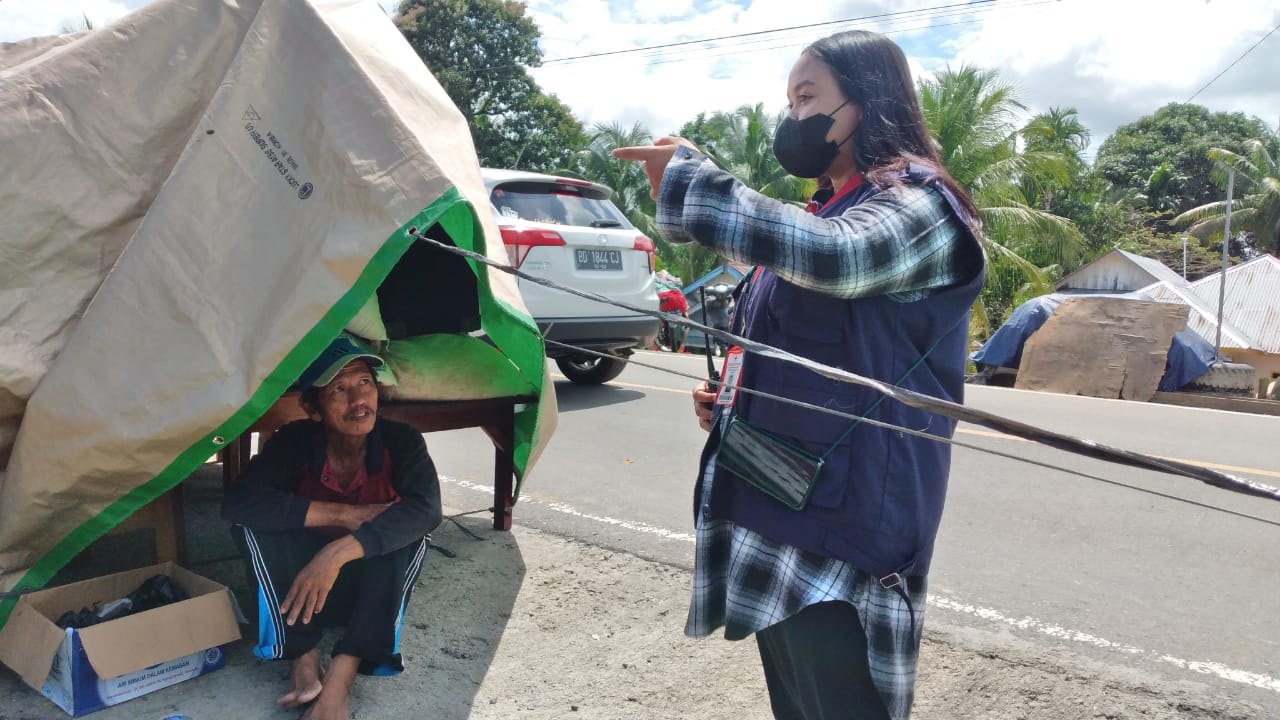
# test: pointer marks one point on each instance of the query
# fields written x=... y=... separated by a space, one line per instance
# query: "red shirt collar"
x=848 y=187
x=852 y=184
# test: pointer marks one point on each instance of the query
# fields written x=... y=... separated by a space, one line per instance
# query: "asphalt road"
x=1126 y=566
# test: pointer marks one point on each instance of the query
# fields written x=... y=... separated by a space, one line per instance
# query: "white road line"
x=1058 y=632
x=942 y=602
x=566 y=509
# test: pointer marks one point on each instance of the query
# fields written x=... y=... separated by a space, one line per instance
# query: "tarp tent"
x=196 y=199
x=1189 y=354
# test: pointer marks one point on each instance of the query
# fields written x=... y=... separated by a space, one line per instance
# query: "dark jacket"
x=878 y=502
x=264 y=497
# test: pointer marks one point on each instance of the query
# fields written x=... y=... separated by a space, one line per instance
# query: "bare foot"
x=305 y=685
x=322 y=710
x=332 y=702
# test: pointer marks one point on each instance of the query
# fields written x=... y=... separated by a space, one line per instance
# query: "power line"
x=662 y=54
x=805 y=42
x=1233 y=63
x=903 y=395
x=759 y=36
x=775 y=30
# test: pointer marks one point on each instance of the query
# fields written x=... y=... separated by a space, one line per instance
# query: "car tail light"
x=646 y=245
x=519 y=241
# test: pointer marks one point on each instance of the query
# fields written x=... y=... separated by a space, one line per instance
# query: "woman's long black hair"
x=872 y=71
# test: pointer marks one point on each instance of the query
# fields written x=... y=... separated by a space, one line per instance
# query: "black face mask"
x=802 y=147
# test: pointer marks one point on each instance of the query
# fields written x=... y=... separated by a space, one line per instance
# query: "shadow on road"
x=571 y=396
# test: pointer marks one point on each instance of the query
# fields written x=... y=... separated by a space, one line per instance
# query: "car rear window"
x=555 y=203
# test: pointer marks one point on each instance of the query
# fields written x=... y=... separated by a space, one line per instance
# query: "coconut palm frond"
x=1256 y=207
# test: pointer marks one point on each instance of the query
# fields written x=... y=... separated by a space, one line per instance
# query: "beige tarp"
x=195 y=199
x=1104 y=347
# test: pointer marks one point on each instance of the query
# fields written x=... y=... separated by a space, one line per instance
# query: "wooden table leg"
x=234 y=456
x=176 y=502
x=163 y=517
x=504 y=470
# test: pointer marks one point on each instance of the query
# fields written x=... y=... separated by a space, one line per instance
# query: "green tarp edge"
x=275 y=384
x=513 y=331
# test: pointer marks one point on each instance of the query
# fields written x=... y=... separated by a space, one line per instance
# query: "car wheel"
x=590 y=369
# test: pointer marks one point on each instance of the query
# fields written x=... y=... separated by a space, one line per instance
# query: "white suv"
x=568 y=231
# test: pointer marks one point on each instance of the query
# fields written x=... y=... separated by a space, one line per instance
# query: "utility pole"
x=1226 y=241
x=1184 y=258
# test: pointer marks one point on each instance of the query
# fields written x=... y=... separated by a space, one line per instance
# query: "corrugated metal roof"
x=1202 y=318
x=1157 y=269
x=1119 y=271
x=727 y=271
x=1252 y=300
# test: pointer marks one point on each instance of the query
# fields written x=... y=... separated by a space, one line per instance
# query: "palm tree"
x=973 y=117
x=1255 y=208
x=627 y=179
x=630 y=188
x=1058 y=130
x=742 y=145
x=83 y=24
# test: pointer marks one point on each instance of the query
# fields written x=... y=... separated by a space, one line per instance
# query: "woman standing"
x=815 y=533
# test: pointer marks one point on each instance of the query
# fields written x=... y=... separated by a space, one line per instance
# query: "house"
x=1118 y=272
x=1251 y=304
x=1250 y=311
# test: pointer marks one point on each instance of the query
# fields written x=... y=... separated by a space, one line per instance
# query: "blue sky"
x=1114 y=60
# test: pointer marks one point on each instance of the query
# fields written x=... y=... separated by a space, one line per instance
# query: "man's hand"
x=655 y=157
x=357 y=515
x=703 y=397
x=312 y=585
x=348 y=517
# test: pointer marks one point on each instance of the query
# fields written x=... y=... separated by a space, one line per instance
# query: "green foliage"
x=973 y=117
x=540 y=136
x=630 y=188
x=741 y=143
x=627 y=178
x=1058 y=131
x=1201 y=260
x=479 y=51
x=697 y=132
x=1255 y=207
x=1163 y=158
x=81 y=24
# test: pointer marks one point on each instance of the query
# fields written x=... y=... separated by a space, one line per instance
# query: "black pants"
x=815 y=665
x=368 y=598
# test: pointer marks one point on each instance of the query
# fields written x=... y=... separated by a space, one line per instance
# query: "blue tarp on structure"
x=1189 y=355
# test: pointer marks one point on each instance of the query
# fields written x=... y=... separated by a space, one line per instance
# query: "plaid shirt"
x=900 y=242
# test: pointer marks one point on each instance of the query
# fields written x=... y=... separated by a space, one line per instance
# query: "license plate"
x=597 y=259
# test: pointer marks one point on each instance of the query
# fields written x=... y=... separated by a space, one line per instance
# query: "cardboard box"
x=82 y=670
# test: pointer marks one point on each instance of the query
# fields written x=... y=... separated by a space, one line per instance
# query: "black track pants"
x=369 y=598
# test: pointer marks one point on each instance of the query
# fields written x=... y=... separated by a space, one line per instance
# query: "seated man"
x=333 y=519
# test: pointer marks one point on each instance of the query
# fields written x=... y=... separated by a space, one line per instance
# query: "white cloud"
x=1114 y=60
x=20 y=19
x=1117 y=61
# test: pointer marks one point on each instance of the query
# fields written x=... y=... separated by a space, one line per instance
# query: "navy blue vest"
x=878 y=501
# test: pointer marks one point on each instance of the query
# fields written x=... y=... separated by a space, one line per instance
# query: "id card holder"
x=728 y=394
